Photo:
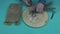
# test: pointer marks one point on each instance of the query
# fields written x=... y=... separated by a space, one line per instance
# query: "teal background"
x=52 y=27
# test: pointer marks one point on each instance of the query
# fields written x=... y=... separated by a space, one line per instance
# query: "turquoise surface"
x=52 y=27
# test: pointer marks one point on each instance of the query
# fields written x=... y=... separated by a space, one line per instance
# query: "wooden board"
x=13 y=14
x=38 y=21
